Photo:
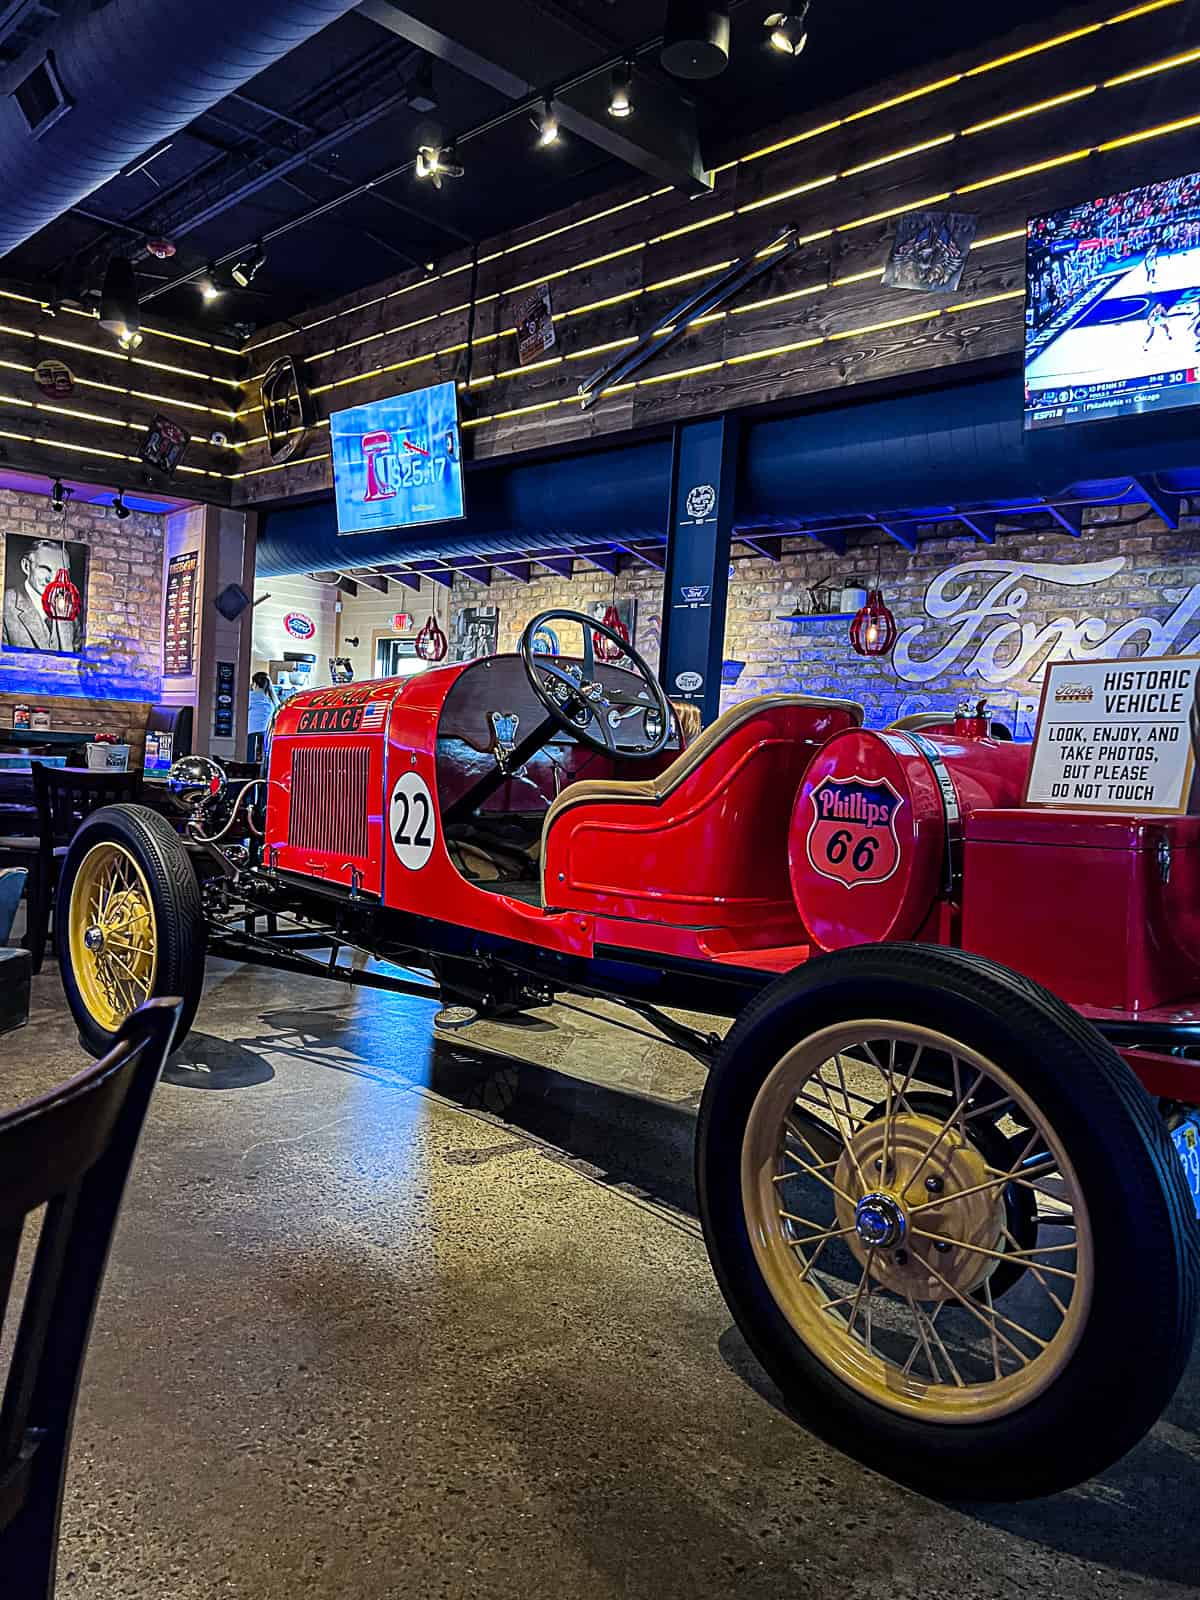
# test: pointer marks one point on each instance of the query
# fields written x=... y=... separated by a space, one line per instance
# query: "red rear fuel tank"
x=876 y=834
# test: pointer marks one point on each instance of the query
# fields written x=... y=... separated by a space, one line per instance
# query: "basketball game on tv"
x=1113 y=306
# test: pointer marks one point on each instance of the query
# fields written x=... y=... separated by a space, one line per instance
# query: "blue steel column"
x=704 y=463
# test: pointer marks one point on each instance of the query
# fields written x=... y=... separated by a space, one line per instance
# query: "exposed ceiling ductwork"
x=131 y=75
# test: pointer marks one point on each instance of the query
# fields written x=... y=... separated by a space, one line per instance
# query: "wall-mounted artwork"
x=930 y=250
x=45 y=594
x=621 y=617
x=476 y=632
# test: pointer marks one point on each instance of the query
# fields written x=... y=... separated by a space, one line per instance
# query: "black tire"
x=178 y=912
x=1137 y=1336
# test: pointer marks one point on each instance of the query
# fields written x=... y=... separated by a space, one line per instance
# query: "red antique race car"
x=943 y=1155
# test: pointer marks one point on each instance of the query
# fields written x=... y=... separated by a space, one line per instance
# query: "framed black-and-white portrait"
x=45 y=594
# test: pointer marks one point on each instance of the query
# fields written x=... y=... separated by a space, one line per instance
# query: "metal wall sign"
x=164 y=444
x=287 y=408
x=54 y=378
x=535 y=324
x=223 y=707
x=696 y=582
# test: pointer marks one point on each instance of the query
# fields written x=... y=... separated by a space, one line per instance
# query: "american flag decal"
x=373 y=716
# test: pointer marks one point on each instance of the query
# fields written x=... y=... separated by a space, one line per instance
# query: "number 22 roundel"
x=411 y=821
x=852 y=838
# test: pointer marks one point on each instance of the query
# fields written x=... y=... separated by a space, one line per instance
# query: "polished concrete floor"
x=395 y=1316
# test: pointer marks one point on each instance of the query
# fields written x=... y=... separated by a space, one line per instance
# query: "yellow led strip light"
x=681 y=373
x=936 y=86
x=1035 y=108
x=26 y=404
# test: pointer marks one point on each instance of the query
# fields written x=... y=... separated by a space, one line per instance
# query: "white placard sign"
x=1117 y=735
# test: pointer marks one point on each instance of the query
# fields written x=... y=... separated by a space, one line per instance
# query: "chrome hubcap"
x=879 y=1221
x=94 y=939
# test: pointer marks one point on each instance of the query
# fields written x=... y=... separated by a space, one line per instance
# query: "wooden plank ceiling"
x=95 y=433
x=1058 y=112
x=1089 y=101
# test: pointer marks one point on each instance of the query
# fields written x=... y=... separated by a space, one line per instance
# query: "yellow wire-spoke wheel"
x=880 y=1214
x=113 y=934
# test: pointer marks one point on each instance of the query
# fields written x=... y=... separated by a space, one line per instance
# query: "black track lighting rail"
x=518 y=110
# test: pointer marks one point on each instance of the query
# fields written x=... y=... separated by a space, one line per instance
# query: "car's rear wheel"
x=870 y=1141
x=129 y=924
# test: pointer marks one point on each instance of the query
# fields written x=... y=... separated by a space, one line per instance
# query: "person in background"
x=264 y=703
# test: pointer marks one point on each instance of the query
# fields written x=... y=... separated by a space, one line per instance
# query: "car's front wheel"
x=948 y=1220
x=129 y=922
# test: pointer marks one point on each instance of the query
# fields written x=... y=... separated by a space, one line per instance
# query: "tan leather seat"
x=922 y=719
x=918 y=720
x=653 y=791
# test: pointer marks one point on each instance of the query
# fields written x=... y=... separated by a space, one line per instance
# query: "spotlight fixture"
x=696 y=38
x=59 y=495
x=437 y=162
x=419 y=93
x=119 y=506
x=119 y=314
x=620 y=101
x=209 y=288
x=786 y=31
x=245 y=268
x=546 y=124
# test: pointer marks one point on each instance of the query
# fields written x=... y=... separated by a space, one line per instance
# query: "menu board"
x=1117 y=735
x=180 y=621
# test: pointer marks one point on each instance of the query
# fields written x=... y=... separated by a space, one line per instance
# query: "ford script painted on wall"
x=982 y=602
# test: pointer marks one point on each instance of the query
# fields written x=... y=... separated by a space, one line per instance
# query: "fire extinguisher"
x=431 y=641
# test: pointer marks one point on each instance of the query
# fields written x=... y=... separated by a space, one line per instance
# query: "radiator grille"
x=329 y=803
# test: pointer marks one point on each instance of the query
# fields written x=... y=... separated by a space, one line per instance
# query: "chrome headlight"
x=195 y=780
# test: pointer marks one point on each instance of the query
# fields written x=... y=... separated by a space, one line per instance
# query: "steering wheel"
x=592 y=708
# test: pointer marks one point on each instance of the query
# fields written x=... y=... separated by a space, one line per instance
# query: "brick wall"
x=120 y=658
x=317 y=601
x=974 y=619
x=518 y=602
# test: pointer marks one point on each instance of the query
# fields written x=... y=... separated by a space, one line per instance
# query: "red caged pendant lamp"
x=873 y=630
x=61 y=600
x=431 y=641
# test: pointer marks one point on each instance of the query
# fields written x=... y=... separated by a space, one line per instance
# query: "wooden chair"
x=64 y=796
x=69 y=1151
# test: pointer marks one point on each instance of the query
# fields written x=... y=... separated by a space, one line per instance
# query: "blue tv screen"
x=397 y=463
x=1112 y=306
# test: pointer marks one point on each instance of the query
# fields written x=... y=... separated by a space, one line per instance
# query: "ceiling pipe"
x=135 y=73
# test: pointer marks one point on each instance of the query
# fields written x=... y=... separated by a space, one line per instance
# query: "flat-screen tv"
x=397 y=463
x=1112 y=307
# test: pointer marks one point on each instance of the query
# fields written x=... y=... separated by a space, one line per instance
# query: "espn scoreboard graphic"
x=1112 y=306
x=398 y=463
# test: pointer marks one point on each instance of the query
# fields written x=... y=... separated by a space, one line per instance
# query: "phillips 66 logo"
x=852 y=838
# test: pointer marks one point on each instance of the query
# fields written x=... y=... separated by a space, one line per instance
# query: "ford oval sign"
x=299 y=624
x=689 y=682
